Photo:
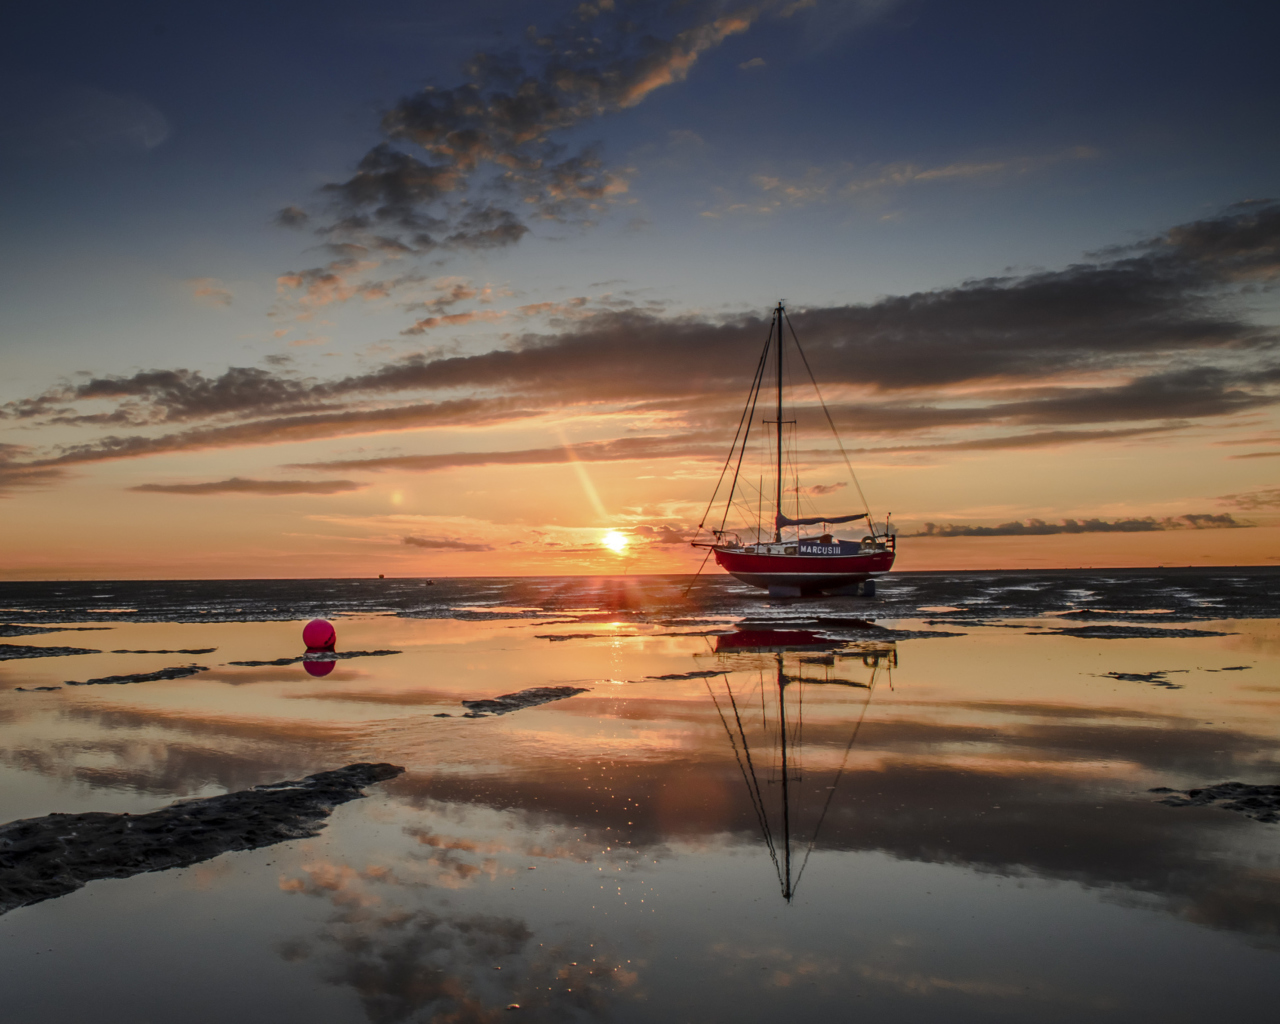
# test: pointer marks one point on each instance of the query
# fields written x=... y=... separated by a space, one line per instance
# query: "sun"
x=614 y=541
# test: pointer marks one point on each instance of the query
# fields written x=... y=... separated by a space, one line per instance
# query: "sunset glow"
x=352 y=345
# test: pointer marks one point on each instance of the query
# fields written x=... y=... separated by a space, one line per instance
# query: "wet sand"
x=969 y=829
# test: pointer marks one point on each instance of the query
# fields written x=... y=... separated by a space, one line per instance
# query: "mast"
x=786 y=803
x=777 y=528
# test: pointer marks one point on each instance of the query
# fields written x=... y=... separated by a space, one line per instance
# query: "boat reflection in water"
x=764 y=720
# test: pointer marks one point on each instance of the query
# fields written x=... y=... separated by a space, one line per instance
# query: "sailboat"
x=783 y=794
x=789 y=564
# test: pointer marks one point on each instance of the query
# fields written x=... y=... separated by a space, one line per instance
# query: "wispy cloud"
x=445 y=544
x=211 y=290
x=1254 y=501
x=620 y=450
x=454 y=320
x=290 y=429
x=826 y=184
x=18 y=475
x=239 y=485
x=1040 y=528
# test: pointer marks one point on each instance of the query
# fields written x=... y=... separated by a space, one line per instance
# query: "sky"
x=472 y=289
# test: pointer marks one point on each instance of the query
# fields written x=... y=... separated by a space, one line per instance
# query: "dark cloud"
x=1154 y=323
x=663 y=535
x=1258 y=455
x=152 y=396
x=238 y=485
x=15 y=475
x=1039 y=528
x=1167 y=301
x=445 y=544
x=1268 y=498
x=292 y=217
x=494 y=139
x=289 y=429
x=1037 y=439
x=815 y=490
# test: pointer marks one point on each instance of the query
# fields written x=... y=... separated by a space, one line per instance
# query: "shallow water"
x=968 y=830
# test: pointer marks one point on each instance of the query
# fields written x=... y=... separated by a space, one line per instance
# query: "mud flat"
x=1128 y=633
x=518 y=701
x=1262 y=803
x=8 y=652
x=177 y=672
x=41 y=858
x=314 y=656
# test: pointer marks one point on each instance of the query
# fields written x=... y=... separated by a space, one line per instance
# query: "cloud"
x=454 y=320
x=619 y=450
x=663 y=535
x=1140 y=341
x=339 y=281
x=465 y=167
x=1250 y=501
x=752 y=64
x=815 y=490
x=446 y=544
x=210 y=289
x=1164 y=302
x=291 y=429
x=151 y=396
x=15 y=475
x=292 y=217
x=1036 y=439
x=822 y=184
x=239 y=485
x=1039 y=528
x=1257 y=455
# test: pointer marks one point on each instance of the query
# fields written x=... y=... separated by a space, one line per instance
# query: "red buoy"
x=320 y=634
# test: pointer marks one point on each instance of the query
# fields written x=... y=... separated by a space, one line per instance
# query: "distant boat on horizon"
x=798 y=566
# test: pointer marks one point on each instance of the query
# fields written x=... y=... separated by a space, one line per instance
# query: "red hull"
x=805 y=573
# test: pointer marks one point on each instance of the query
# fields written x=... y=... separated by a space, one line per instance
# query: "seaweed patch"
x=10 y=629
x=1159 y=677
x=1262 y=803
x=183 y=650
x=1126 y=632
x=9 y=652
x=314 y=656
x=42 y=858
x=518 y=701
x=177 y=672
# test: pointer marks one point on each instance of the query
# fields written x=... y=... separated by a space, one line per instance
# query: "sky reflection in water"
x=989 y=849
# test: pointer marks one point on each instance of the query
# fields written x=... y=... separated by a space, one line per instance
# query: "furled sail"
x=781 y=520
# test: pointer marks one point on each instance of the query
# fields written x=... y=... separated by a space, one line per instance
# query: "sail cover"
x=780 y=520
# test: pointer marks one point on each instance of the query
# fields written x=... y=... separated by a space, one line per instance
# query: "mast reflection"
x=783 y=663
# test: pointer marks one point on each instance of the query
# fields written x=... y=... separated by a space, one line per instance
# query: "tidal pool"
x=931 y=806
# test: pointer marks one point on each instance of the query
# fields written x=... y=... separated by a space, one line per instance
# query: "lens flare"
x=614 y=541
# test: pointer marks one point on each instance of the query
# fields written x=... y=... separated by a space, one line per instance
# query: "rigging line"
x=832 y=792
x=760 y=818
x=702 y=566
x=734 y=745
x=746 y=749
x=741 y=419
x=752 y=399
x=830 y=422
